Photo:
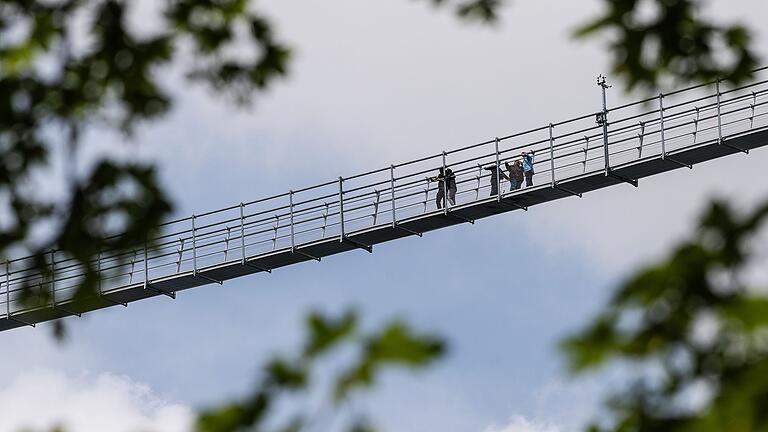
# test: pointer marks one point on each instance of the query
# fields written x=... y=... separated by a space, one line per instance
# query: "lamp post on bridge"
x=602 y=119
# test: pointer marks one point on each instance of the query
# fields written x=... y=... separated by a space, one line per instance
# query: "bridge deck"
x=637 y=140
x=430 y=221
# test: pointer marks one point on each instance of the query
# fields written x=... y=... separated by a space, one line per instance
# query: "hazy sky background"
x=375 y=83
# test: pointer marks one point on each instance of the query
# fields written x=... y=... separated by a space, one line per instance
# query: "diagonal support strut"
x=357 y=244
x=409 y=231
x=677 y=162
x=568 y=191
x=14 y=319
x=302 y=253
x=169 y=293
x=633 y=182
x=254 y=266
x=113 y=302
x=68 y=312
x=733 y=147
x=459 y=217
x=511 y=205
x=208 y=278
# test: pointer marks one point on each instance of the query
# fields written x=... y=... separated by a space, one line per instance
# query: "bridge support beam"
x=509 y=204
x=302 y=253
x=677 y=162
x=460 y=218
x=14 y=319
x=633 y=182
x=357 y=244
x=409 y=231
x=168 y=293
x=254 y=266
x=738 y=149
x=68 y=312
x=209 y=279
x=566 y=190
x=109 y=300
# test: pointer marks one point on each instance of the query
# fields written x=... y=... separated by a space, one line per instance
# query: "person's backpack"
x=517 y=171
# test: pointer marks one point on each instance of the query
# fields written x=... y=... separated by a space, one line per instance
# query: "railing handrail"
x=253 y=228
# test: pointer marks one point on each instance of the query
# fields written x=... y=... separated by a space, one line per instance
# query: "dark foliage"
x=51 y=86
x=693 y=318
x=394 y=345
x=52 y=89
x=672 y=41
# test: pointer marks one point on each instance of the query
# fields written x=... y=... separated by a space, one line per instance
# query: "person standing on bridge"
x=528 y=167
x=515 y=174
x=495 y=172
x=450 y=178
x=443 y=180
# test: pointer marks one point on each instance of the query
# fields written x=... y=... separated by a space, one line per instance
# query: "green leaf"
x=394 y=345
x=326 y=333
x=398 y=344
x=282 y=374
x=749 y=313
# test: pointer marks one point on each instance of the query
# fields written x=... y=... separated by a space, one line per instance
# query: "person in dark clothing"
x=450 y=179
x=515 y=174
x=528 y=168
x=495 y=172
x=445 y=178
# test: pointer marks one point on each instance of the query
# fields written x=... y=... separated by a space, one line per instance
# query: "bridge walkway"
x=613 y=146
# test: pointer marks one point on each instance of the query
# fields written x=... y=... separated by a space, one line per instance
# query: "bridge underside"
x=365 y=239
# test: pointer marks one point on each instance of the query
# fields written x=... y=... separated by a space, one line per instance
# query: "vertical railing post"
x=133 y=267
x=242 y=234
x=325 y=217
x=642 y=138
x=226 y=243
x=293 y=239
x=719 y=115
x=552 y=153
x=8 y=288
x=376 y=206
x=181 y=253
x=661 y=126
x=98 y=269
x=53 y=277
x=276 y=227
x=392 y=193
x=341 y=208
x=194 y=247
x=146 y=266
x=498 y=172
x=479 y=176
x=696 y=124
x=445 y=186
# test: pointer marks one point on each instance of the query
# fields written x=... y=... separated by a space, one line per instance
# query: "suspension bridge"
x=609 y=147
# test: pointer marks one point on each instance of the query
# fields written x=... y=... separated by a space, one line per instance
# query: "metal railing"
x=388 y=196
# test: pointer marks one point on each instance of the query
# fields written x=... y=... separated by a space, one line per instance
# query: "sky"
x=374 y=83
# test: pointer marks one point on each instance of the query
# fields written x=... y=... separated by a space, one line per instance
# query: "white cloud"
x=362 y=96
x=521 y=424
x=44 y=398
